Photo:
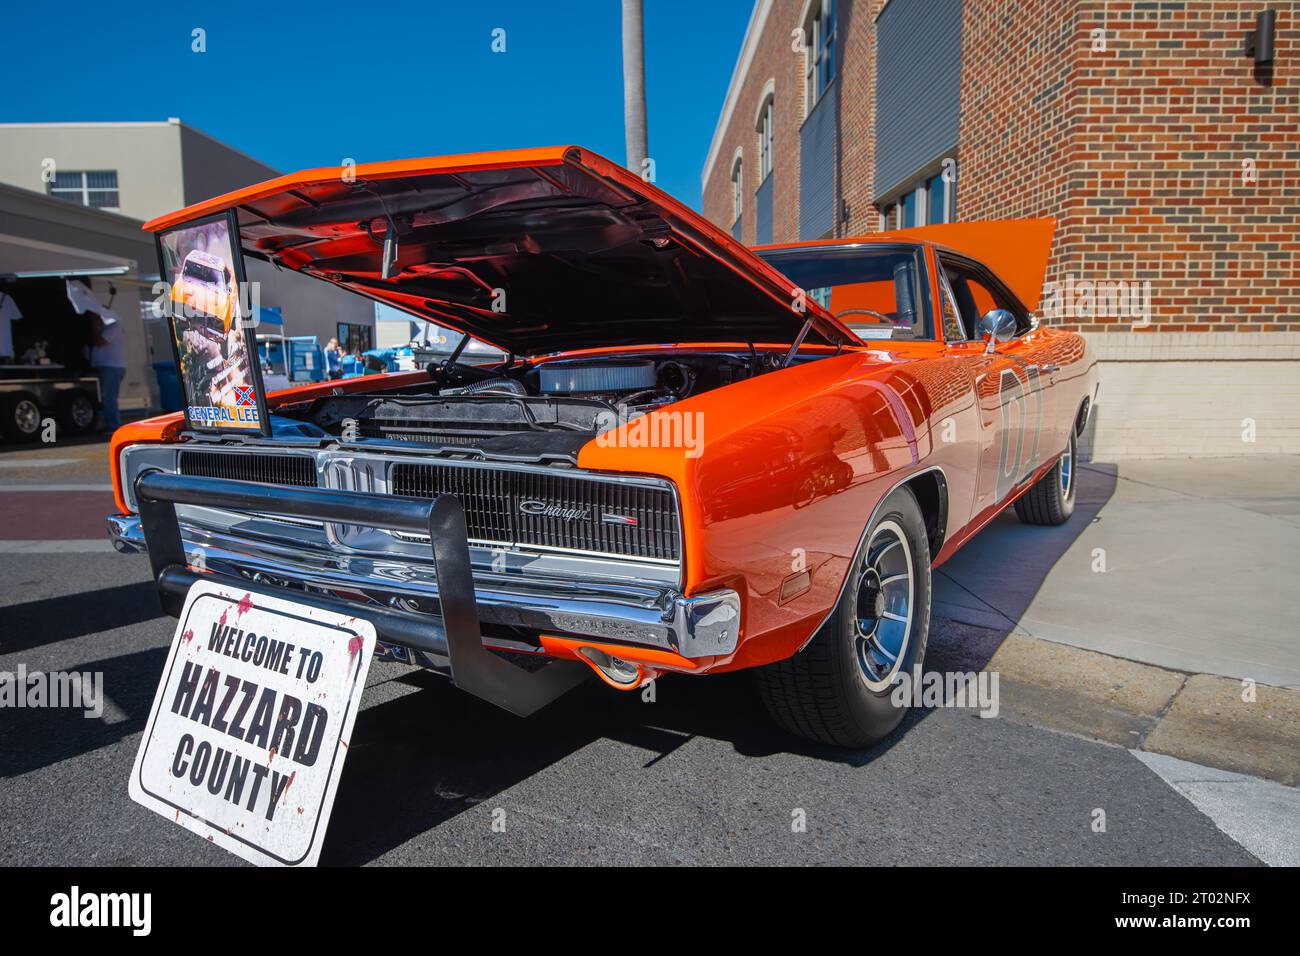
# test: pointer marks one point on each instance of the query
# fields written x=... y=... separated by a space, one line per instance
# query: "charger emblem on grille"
x=531 y=506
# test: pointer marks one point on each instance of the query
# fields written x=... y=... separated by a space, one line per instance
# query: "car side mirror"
x=997 y=325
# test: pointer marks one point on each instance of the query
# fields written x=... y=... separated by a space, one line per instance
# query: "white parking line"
x=66 y=486
x=70 y=546
x=39 y=462
x=1259 y=814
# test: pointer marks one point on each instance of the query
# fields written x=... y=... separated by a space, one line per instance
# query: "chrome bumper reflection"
x=650 y=614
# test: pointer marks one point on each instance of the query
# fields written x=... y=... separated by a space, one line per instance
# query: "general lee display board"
x=249 y=729
x=209 y=305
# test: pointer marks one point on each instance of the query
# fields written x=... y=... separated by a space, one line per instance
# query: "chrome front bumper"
x=637 y=613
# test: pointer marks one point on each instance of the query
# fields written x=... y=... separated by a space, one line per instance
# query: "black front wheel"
x=837 y=690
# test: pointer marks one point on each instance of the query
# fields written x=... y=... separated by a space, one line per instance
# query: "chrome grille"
x=492 y=500
x=268 y=469
x=483 y=493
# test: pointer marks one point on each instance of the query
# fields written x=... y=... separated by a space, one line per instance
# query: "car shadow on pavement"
x=416 y=761
x=991 y=582
x=48 y=621
x=32 y=738
x=423 y=751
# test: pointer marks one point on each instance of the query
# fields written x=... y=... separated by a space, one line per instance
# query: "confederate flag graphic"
x=244 y=395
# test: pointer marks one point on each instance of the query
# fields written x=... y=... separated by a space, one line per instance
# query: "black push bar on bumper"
x=473 y=668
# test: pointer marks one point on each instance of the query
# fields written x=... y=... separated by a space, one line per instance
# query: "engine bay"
x=542 y=412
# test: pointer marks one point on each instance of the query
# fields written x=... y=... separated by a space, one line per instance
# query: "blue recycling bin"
x=306 y=359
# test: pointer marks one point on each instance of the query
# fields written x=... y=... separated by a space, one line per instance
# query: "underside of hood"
x=534 y=251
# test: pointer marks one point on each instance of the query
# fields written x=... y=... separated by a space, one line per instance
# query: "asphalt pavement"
x=698 y=775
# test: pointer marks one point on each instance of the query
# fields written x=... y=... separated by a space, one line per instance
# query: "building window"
x=354 y=338
x=819 y=51
x=907 y=210
x=737 y=189
x=97 y=189
x=938 y=200
x=765 y=124
x=927 y=200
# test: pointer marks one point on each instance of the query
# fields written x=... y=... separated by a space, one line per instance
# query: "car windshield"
x=876 y=292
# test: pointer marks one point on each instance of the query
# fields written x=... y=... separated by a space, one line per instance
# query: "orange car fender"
x=161 y=428
x=789 y=468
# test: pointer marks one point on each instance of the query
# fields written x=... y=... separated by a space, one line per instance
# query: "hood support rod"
x=794 y=348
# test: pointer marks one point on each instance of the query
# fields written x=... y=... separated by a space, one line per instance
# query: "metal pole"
x=634 y=118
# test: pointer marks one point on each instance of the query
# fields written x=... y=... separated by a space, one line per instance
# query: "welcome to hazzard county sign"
x=249 y=728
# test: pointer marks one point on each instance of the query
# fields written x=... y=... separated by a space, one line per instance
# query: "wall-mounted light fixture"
x=1259 y=42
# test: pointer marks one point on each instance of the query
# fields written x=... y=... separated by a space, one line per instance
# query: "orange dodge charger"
x=694 y=458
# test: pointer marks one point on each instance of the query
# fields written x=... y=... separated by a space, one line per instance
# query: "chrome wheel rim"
x=884 y=599
x=27 y=416
x=1066 y=471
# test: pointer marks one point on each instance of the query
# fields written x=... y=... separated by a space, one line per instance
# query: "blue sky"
x=375 y=80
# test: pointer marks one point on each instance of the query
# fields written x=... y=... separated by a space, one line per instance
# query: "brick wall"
x=1016 y=147
x=1164 y=155
x=857 y=32
x=773 y=60
x=1165 y=158
x=1195 y=394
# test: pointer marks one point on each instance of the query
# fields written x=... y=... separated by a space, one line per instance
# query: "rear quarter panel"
x=1077 y=380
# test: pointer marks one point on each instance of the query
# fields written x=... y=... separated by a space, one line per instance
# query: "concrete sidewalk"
x=77 y=459
x=1189 y=565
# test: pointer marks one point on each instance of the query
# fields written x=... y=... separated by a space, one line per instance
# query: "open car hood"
x=534 y=251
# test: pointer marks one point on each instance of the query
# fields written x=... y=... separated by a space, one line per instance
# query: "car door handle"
x=1050 y=367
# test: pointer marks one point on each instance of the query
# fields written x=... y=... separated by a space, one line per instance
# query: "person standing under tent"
x=107 y=350
x=333 y=358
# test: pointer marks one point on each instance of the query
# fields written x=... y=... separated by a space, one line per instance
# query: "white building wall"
x=1195 y=394
x=146 y=157
x=161 y=167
